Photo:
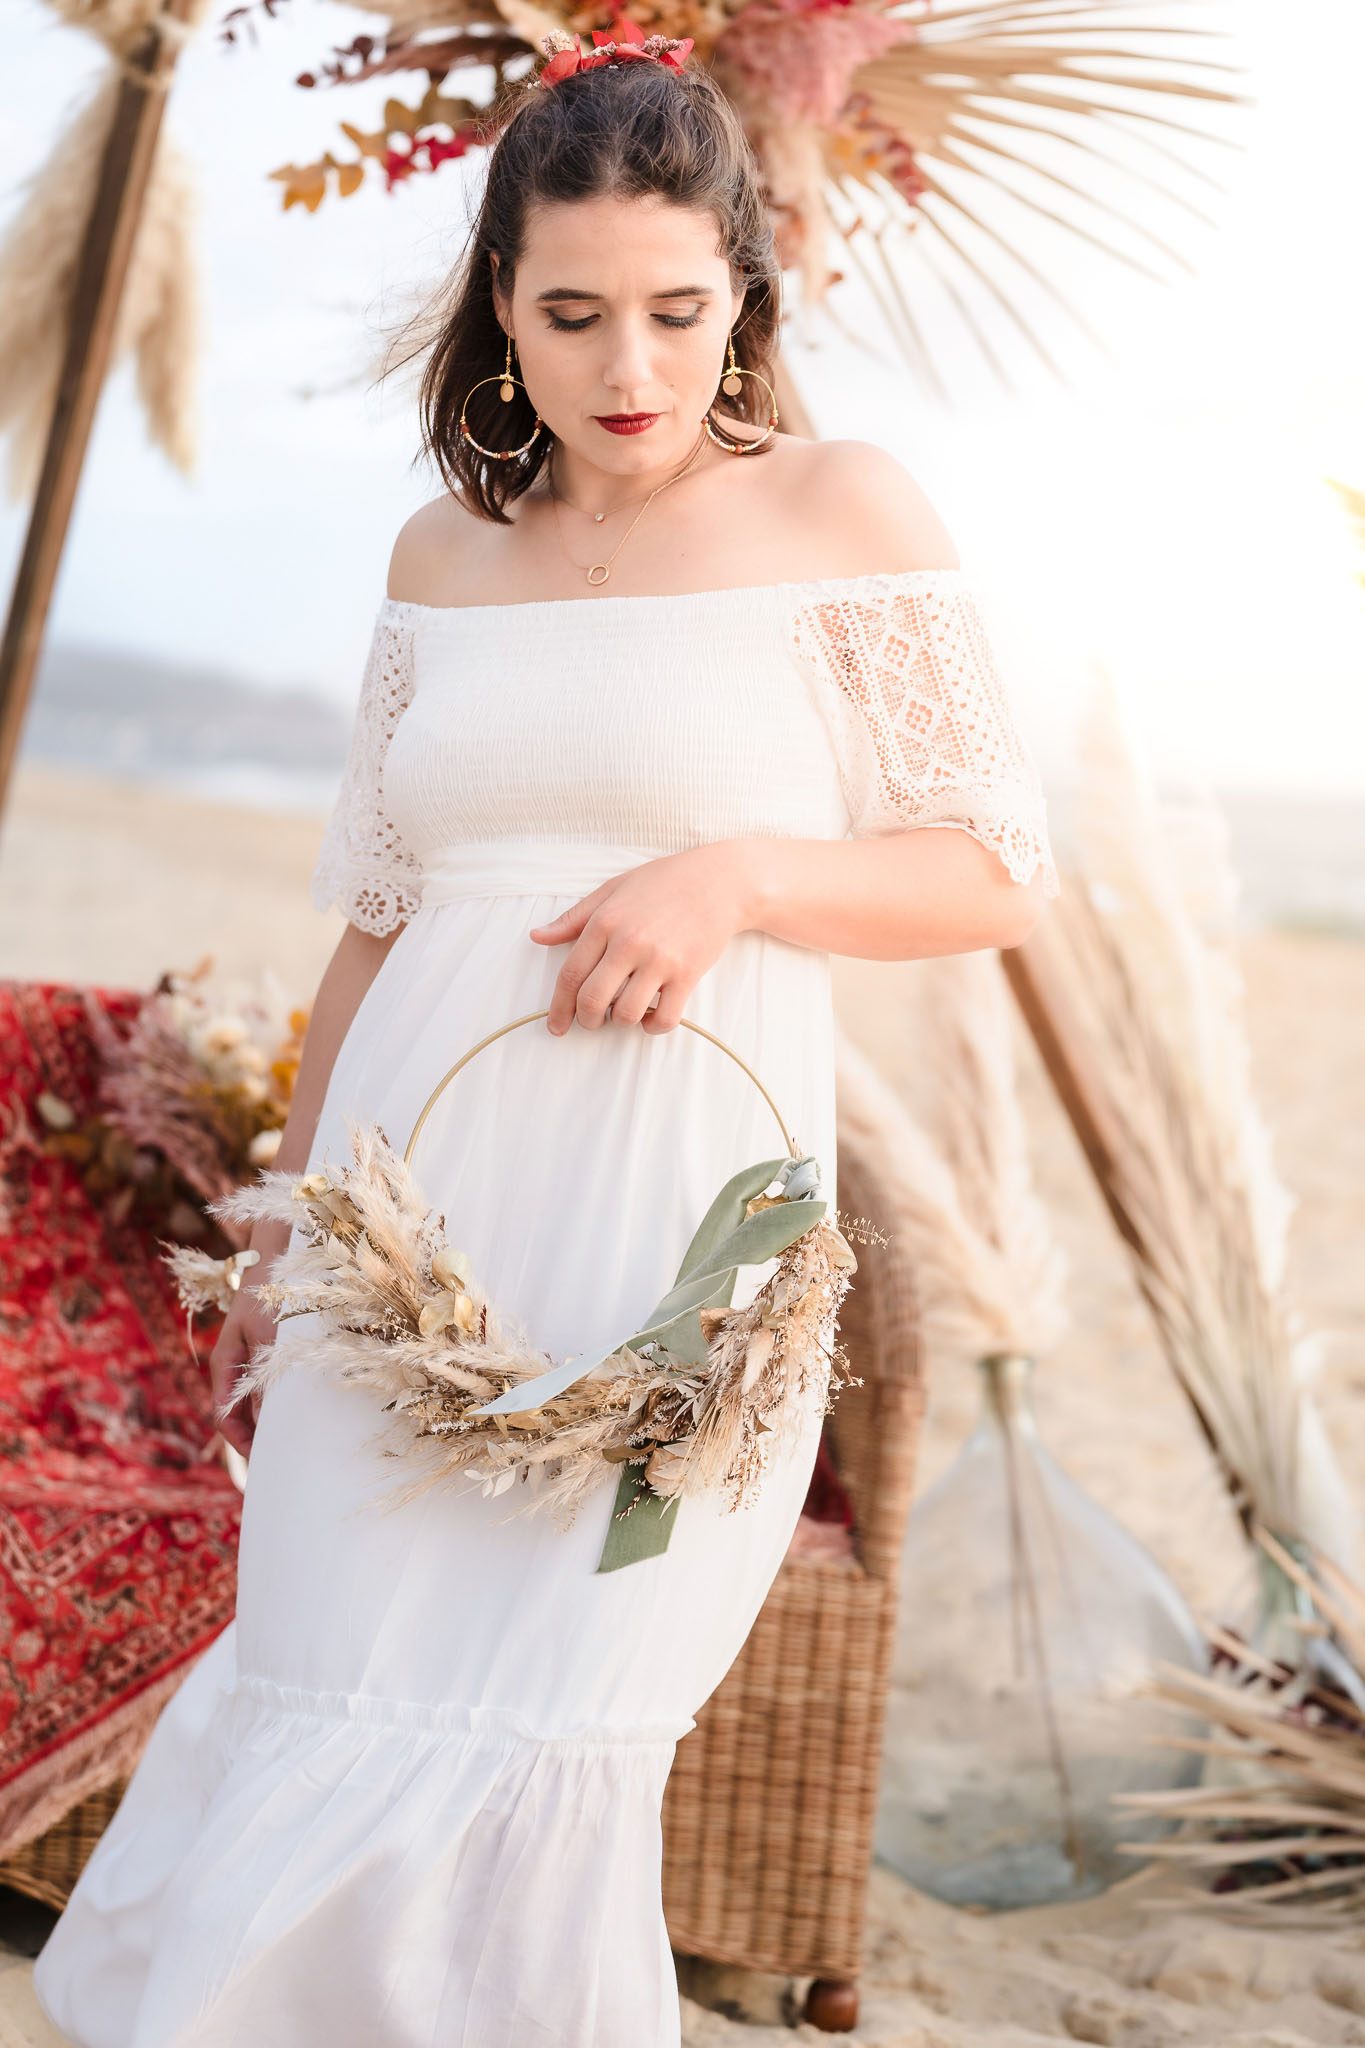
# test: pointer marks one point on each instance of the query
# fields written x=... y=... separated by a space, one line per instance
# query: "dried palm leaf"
x=962 y=129
x=1284 y=1825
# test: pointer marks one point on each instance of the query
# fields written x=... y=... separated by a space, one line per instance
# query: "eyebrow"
x=677 y=291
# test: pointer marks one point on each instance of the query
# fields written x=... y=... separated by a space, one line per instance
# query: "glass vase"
x=1028 y=1620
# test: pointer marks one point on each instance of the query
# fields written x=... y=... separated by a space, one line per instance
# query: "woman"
x=411 y=1795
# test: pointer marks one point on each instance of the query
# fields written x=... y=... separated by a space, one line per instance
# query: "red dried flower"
x=626 y=42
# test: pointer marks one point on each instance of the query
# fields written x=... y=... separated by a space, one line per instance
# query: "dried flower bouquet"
x=689 y=1403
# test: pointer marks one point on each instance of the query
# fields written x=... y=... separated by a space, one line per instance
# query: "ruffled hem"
x=292 y=1867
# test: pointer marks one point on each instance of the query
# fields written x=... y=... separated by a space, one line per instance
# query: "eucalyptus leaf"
x=752 y=1242
x=725 y=1239
x=727 y=1211
x=762 y=1236
x=681 y=1339
x=704 y=1291
x=645 y=1530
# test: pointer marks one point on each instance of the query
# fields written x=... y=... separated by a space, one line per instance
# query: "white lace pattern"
x=363 y=866
x=923 y=729
x=797 y=708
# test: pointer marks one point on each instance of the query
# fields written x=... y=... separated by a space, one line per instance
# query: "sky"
x=1162 y=514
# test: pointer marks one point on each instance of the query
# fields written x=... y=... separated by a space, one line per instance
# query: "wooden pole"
x=101 y=273
x=1032 y=974
x=1087 y=1097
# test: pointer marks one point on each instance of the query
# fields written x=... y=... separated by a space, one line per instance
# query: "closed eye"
x=666 y=319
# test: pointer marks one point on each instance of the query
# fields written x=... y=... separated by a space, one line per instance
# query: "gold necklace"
x=598 y=516
x=600 y=571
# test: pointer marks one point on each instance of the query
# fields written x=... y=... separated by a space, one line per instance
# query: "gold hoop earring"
x=731 y=386
x=505 y=384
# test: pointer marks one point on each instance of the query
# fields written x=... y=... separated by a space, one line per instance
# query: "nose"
x=629 y=369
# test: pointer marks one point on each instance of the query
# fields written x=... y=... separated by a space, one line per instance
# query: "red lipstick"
x=625 y=422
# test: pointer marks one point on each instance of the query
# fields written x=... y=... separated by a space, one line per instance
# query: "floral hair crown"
x=626 y=43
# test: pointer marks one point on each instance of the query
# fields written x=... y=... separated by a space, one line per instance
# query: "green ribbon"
x=642 y=1521
x=725 y=1239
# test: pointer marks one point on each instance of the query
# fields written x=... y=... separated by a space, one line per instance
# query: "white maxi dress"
x=410 y=1797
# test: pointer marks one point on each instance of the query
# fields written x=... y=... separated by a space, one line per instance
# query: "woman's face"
x=620 y=307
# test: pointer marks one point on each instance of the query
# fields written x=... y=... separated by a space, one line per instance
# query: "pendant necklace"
x=600 y=571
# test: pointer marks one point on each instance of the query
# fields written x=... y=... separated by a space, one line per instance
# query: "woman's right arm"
x=249 y=1325
x=365 y=870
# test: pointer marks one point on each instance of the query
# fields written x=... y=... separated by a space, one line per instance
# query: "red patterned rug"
x=118 y=1517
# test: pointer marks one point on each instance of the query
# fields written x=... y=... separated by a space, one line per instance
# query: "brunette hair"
x=628 y=130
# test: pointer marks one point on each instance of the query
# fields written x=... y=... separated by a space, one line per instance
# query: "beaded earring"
x=505 y=385
x=731 y=386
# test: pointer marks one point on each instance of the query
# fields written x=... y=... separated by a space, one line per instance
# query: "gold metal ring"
x=533 y=1018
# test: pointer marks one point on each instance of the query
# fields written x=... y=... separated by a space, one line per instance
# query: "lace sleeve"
x=363 y=867
x=907 y=680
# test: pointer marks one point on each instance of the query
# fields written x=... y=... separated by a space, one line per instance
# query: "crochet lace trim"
x=924 y=735
x=903 y=671
x=363 y=866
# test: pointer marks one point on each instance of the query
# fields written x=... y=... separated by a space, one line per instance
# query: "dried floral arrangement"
x=192 y=1094
x=693 y=1401
x=922 y=142
x=1282 y=1830
x=870 y=119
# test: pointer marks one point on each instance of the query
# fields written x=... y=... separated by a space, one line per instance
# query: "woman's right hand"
x=247 y=1326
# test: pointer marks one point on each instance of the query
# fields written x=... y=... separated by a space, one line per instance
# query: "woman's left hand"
x=643 y=939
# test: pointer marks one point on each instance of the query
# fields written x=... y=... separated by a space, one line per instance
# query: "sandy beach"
x=107 y=882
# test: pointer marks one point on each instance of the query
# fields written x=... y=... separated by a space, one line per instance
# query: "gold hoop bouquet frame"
x=535 y=1017
x=692 y=1400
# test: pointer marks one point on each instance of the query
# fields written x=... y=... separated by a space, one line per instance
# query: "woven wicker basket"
x=770 y=1807
x=47 y=1868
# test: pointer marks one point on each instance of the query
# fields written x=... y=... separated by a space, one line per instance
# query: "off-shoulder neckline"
x=751 y=590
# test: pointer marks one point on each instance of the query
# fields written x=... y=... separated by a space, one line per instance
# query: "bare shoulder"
x=419 y=566
x=875 y=514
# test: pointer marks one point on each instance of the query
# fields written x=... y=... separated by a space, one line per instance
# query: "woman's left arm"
x=949 y=849
x=899 y=896
x=653 y=931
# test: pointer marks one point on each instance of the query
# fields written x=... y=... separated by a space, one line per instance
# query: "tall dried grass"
x=1144 y=942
